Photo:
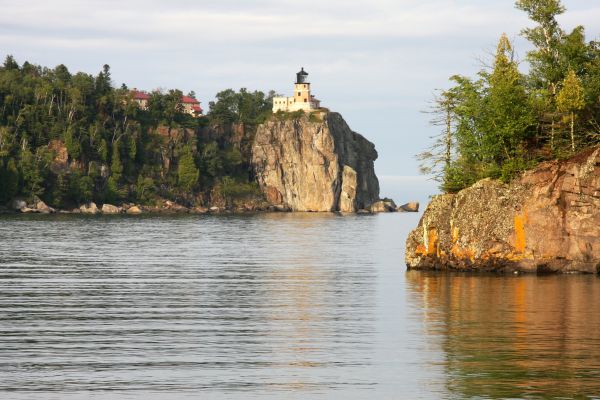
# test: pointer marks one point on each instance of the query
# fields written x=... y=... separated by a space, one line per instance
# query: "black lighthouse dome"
x=302 y=76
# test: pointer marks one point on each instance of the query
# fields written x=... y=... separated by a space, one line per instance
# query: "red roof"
x=137 y=95
x=198 y=109
x=189 y=100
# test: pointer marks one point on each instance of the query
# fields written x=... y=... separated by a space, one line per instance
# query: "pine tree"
x=507 y=116
x=187 y=172
x=571 y=99
x=9 y=181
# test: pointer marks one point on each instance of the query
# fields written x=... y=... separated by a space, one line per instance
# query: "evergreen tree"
x=187 y=172
x=507 y=116
x=9 y=181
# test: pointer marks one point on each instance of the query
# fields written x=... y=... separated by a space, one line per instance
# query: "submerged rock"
x=548 y=220
x=308 y=165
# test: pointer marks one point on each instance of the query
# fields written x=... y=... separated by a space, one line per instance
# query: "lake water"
x=276 y=306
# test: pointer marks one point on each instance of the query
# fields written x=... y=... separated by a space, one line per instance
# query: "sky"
x=377 y=62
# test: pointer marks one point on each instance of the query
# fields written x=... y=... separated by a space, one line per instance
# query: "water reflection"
x=512 y=337
x=251 y=304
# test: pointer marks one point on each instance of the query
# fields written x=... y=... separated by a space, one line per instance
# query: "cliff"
x=548 y=220
x=315 y=164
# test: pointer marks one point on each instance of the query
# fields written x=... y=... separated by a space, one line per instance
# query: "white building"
x=301 y=100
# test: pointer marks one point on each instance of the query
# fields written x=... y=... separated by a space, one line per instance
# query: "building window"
x=305 y=100
x=299 y=93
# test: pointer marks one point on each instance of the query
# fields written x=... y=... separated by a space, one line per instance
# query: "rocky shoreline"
x=37 y=206
x=548 y=220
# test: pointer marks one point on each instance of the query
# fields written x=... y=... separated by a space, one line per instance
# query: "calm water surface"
x=276 y=306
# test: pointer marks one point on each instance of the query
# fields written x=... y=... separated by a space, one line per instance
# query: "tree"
x=9 y=181
x=32 y=167
x=10 y=63
x=507 y=115
x=571 y=99
x=144 y=188
x=437 y=160
x=546 y=37
x=187 y=172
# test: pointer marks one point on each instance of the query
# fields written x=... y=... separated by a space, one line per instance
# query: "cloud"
x=378 y=61
x=193 y=22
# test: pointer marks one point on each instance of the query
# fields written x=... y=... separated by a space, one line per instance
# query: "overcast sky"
x=377 y=62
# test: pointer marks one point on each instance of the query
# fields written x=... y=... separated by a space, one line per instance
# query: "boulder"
x=110 y=209
x=41 y=207
x=89 y=208
x=383 y=206
x=18 y=204
x=134 y=210
x=547 y=220
x=199 y=210
x=309 y=165
x=409 y=207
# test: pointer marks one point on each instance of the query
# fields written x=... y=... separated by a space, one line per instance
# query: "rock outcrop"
x=548 y=220
x=409 y=207
x=110 y=209
x=89 y=208
x=306 y=164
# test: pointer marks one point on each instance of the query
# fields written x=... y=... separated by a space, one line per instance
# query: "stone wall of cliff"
x=315 y=165
x=546 y=221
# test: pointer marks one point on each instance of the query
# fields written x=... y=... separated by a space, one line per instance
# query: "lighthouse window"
x=299 y=93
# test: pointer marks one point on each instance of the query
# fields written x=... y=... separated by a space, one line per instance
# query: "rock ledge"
x=548 y=220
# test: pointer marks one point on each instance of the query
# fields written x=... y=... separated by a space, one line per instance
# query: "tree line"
x=115 y=151
x=502 y=121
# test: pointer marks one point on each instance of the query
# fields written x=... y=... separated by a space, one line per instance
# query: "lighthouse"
x=302 y=98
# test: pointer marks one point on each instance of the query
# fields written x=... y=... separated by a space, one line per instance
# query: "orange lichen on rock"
x=454 y=235
x=463 y=254
x=432 y=241
x=421 y=250
x=520 y=239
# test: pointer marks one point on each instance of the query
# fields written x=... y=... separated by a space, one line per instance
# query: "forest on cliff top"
x=69 y=138
x=503 y=121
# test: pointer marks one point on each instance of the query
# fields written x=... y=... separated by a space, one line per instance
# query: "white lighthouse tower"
x=302 y=98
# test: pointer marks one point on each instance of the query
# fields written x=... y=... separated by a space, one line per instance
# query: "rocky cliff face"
x=310 y=165
x=546 y=221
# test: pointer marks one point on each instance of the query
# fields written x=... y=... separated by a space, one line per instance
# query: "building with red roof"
x=141 y=98
x=190 y=105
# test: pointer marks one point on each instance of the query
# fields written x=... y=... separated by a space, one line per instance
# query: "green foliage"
x=81 y=188
x=244 y=107
x=187 y=172
x=9 y=181
x=502 y=122
x=144 y=189
x=234 y=189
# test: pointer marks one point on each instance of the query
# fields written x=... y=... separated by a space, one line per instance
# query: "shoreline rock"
x=548 y=220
